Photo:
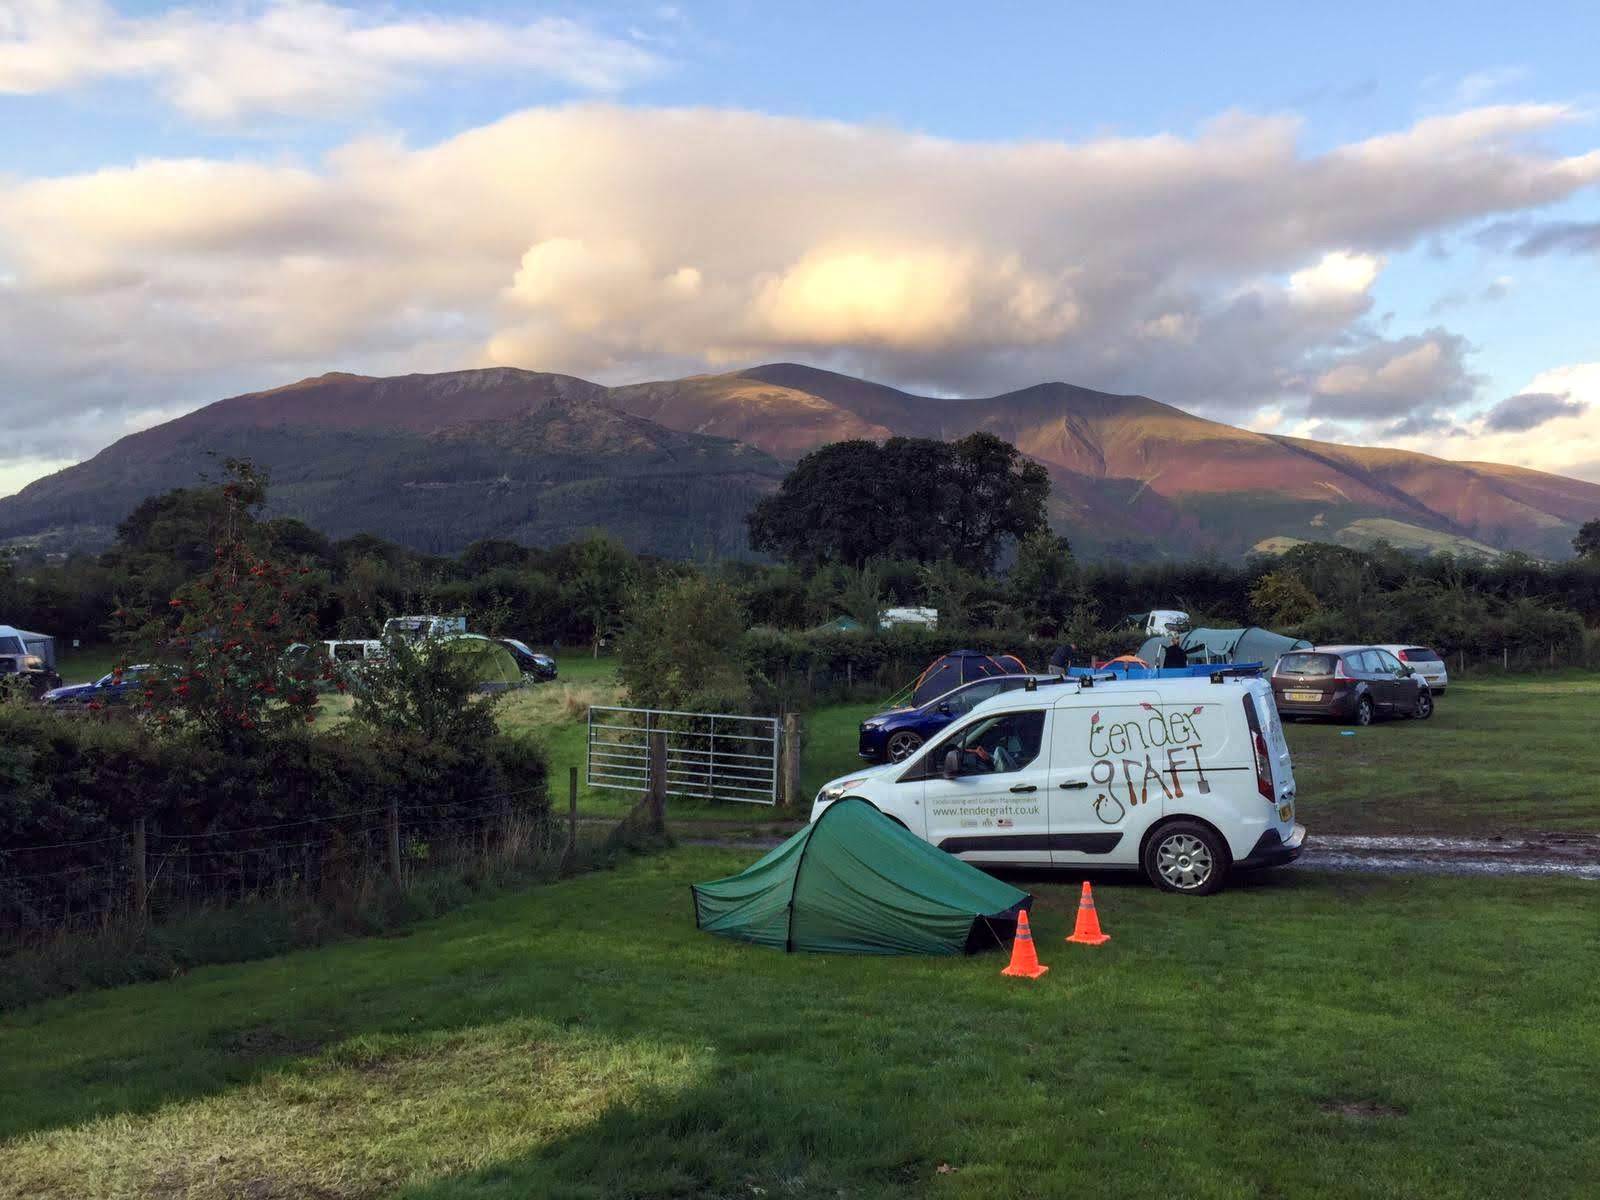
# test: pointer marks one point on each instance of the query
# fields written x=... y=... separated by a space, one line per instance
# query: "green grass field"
x=583 y=1040
x=1507 y=754
x=1502 y=754
x=1512 y=753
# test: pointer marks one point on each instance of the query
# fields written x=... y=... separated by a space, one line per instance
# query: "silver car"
x=1425 y=662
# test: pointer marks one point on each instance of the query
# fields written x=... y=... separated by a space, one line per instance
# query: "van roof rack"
x=1235 y=673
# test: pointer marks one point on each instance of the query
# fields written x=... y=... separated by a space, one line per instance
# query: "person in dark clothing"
x=1175 y=656
x=1061 y=659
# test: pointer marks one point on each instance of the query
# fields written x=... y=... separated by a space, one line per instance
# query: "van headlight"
x=836 y=791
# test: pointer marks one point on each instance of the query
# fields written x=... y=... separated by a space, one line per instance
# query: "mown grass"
x=584 y=1040
x=1504 y=754
x=1508 y=754
x=87 y=663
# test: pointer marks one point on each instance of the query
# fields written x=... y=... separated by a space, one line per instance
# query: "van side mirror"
x=952 y=764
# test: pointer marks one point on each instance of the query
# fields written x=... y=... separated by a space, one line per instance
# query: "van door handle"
x=1024 y=787
x=1075 y=783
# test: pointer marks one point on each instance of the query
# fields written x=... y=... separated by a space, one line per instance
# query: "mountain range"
x=437 y=461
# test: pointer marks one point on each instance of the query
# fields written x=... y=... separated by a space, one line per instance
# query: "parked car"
x=108 y=689
x=1184 y=779
x=529 y=661
x=895 y=735
x=1425 y=662
x=27 y=672
x=347 y=652
x=1349 y=683
x=423 y=626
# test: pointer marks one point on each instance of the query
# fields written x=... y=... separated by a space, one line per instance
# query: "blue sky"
x=181 y=190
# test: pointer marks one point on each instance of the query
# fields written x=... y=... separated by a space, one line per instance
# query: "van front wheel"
x=1186 y=857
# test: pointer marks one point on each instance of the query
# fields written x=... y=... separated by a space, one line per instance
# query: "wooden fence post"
x=571 y=851
x=141 y=878
x=657 y=793
x=1505 y=658
x=791 y=760
x=392 y=820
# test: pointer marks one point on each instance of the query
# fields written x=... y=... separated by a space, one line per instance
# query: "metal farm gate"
x=709 y=756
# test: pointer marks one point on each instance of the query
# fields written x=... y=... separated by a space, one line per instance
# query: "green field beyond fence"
x=1500 y=754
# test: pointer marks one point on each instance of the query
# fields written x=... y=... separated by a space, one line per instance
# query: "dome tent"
x=1250 y=645
x=491 y=663
x=855 y=882
x=951 y=670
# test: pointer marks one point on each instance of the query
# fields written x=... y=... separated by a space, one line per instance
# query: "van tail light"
x=1339 y=672
x=1258 y=745
x=1263 y=768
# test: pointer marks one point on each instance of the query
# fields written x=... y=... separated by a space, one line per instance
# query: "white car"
x=1425 y=662
x=1180 y=778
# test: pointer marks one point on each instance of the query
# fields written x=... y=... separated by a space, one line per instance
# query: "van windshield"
x=1306 y=664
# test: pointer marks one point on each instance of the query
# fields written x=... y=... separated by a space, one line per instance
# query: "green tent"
x=856 y=882
x=491 y=663
x=1228 y=646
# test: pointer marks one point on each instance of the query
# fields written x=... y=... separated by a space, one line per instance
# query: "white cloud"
x=290 y=57
x=1228 y=273
x=18 y=473
x=1552 y=424
x=1339 y=279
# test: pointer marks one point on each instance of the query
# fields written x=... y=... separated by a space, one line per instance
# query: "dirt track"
x=1573 y=855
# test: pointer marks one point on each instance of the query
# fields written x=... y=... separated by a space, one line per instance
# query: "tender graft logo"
x=1152 y=747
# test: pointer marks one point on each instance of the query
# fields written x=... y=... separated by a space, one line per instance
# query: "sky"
x=1376 y=224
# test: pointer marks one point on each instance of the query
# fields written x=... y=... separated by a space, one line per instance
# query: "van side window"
x=1001 y=744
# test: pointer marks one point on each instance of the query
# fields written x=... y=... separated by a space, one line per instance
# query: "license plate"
x=1303 y=697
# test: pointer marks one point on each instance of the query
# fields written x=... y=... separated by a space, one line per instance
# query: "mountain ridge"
x=673 y=464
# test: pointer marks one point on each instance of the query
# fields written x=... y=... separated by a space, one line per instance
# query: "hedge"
x=72 y=789
x=798 y=670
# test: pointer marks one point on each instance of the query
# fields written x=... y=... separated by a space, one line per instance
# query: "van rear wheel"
x=1186 y=857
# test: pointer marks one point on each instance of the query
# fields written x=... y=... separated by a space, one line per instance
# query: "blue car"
x=896 y=735
x=108 y=689
x=541 y=666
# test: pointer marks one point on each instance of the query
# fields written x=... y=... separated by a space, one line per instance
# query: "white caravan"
x=1180 y=778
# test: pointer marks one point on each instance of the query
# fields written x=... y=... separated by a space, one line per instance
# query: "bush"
x=299 y=810
x=682 y=647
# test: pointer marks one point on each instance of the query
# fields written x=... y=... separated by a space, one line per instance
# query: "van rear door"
x=1270 y=751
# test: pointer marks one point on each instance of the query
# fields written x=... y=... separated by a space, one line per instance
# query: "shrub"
x=303 y=809
x=683 y=647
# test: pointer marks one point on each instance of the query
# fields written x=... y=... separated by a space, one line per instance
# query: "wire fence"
x=147 y=872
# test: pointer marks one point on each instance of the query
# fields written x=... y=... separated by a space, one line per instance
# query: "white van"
x=1181 y=778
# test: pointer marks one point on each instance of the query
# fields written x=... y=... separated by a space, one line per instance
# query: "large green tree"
x=1044 y=582
x=1587 y=543
x=912 y=498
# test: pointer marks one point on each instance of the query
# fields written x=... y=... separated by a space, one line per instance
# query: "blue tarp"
x=1135 y=671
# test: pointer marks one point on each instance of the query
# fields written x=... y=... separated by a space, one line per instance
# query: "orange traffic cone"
x=1024 y=959
x=1087 y=931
